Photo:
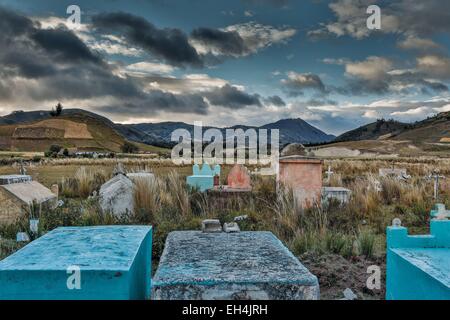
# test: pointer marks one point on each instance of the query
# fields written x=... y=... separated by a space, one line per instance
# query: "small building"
x=251 y=265
x=304 y=176
x=16 y=197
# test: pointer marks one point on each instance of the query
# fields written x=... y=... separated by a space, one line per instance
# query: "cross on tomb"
x=329 y=173
x=436 y=176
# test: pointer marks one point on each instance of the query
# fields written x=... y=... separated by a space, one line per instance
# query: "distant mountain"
x=291 y=131
x=156 y=134
x=374 y=131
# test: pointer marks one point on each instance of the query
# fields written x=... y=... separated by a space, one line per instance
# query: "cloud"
x=275 y=101
x=148 y=68
x=169 y=44
x=405 y=17
x=297 y=83
x=238 y=40
x=377 y=75
x=417 y=43
x=434 y=66
x=231 y=97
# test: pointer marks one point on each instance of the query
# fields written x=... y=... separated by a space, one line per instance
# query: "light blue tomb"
x=418 y=267
x=203 y=179
x=114 y=263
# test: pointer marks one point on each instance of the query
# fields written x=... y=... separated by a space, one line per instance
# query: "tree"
x=56 y=112
x=129 y=148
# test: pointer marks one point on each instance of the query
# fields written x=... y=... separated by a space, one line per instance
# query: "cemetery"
x=247 y=234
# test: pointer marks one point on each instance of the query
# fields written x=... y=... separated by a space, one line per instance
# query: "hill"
x=381 y=129
x=74 y=128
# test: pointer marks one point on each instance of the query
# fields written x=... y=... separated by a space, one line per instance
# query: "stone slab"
x=245 y=265
x=114 y=262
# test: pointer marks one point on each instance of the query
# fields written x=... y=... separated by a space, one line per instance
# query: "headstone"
x=230 y=266
x=340 y=194
x=203 y=179
x=231 y=227
x=117 y=196
x=211 y=225
x=81 y=263
x=329 y=173
x=397 y=173
x=239 y=178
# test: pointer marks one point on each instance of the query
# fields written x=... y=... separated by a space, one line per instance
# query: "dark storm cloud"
x=275 y=100
x=225 y=42
x=296 y=83
x=169 y=44
x=158 y=100
x=64 y=45
x=233 y=98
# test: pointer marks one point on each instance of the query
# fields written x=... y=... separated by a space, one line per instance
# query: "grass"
x=354 y=229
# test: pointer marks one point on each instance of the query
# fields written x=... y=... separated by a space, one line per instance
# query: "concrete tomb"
x=230 y=266
x=397 y=173
x=203 y=179
x=15 y=196
x=71 y=263
x=117 y=195
x=304 y=176
x=340 y=194
x=418 y=267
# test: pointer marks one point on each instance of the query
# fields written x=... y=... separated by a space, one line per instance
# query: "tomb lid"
x=193 y=257
x=432 y=261
x=90 y=248
x=335 y=189
x=29 y=191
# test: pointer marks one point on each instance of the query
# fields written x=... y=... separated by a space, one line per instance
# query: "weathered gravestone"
x=230 y=266
x=117 y=195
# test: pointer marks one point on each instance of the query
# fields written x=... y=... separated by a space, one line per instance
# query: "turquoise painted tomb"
x=247 y=265
x=203 y=179
x=418 y=267
x=114 y=262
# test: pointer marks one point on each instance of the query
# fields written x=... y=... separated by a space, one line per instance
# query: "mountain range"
x=38 y=129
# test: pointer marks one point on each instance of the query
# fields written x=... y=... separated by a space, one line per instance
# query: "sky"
x=228 y=62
